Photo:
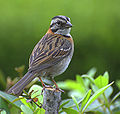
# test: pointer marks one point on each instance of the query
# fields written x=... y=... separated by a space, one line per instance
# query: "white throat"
x=65 y=32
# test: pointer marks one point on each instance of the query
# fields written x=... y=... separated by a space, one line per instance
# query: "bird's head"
x=61 y=25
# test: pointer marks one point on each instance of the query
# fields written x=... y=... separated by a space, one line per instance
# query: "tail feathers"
x=20 y=85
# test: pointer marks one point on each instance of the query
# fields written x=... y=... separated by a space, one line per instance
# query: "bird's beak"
x=68 y=24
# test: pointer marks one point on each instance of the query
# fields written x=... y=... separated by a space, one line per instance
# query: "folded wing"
x=50 y=50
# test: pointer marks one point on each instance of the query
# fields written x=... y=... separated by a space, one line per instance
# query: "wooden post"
x=51 y=100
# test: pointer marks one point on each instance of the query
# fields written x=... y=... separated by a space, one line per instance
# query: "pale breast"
x=60 y=67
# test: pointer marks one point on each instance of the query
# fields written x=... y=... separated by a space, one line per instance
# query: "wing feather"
x=50 y=50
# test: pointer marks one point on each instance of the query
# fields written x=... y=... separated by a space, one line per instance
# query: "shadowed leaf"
x=96 y=95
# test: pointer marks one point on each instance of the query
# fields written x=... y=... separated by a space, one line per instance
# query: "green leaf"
x=94 y=88
x=80 y=80
x=14 y=110
x=75 y=86
x=96 y=105
x=116 y=109
x=10 y=98
x=62 y=85
x=88 y=80
x=88 y=77
x=64 y=103
x=106 y=75
x=115 y=97
x=23 y=100
x=101 y=81
x=39 y=111
x=71 y=104
x=26 y=110
x=75 y=101
x=76 y=94
x=24 y=92
x=96 y=95
x=85 y=99
x=96 y=112
x=91 y=72
x=4 y=105
x=3 y=112
x=118 y=83
x=108 y=92
x=17 y=99
x=70 y=111
x=36 y=93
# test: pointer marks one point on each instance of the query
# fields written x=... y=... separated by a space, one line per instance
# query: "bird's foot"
x=58 y=89
x=46 y=86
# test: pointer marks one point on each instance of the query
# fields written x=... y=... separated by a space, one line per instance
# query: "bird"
x=51 y=55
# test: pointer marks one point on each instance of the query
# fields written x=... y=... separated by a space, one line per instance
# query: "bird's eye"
x=58 y=22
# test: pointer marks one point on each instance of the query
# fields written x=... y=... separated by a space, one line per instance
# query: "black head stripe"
x=60 y=17
x=52 y=24
x=54 y=30
x=67 y=36
x=68 y=19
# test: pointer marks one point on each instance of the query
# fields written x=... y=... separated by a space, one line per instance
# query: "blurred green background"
x=96 y=33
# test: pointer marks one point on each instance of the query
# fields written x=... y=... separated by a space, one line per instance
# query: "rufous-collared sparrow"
x=51 y=56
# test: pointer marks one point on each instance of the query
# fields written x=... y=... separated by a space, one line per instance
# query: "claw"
x=45 y=86
x=57 y=88
x=50 y=87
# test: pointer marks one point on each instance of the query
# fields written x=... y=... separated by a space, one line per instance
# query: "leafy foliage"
x=94 y=93
x=88 y=94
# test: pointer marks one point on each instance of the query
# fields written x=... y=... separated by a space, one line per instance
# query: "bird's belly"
x=59 y=68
